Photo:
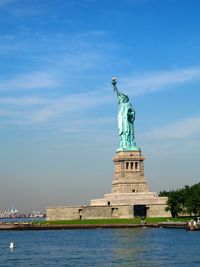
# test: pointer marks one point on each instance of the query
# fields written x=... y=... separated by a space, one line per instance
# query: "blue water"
x=101 y=247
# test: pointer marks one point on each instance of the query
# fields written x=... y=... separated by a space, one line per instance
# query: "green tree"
x=176 y=200
x=174 y=203
x=192 y=202
x=163 y=193
x=182 y=200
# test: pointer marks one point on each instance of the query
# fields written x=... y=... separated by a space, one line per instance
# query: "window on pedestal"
x=127 y=165
x=136 y=165
x=131 y=165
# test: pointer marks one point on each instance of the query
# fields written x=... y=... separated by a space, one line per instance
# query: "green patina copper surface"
x=126 y=118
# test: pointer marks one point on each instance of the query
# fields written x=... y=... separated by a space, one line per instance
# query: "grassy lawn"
x=116 y=221
x=96 y=221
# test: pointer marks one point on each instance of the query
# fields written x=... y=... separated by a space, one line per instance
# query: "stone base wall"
x=157 y=210
x=63 y=213
x=101 y=212
x=145 y=198
x=155 y=205
x=88 y=212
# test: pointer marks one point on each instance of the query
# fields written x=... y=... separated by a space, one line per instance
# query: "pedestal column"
x=129 y=172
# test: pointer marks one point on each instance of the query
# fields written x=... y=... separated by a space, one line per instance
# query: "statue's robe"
x=126 y=118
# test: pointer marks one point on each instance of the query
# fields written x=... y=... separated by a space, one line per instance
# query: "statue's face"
x=124 y=99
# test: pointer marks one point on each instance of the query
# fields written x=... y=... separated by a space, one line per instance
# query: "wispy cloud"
x=85 y=125
x=76 y=102
x=34 y=80
x=35 y=110
x=8 y=116
x=180 y=130
x=59 y=59
x=7 y=36
x=5 y=2
x=22 y=101
x=84 y=35
x=149 y=82
x=49 y=108
x=20 y=110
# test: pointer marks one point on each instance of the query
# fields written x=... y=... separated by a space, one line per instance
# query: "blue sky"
x=58 y=113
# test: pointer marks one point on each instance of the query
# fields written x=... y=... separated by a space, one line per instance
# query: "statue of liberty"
x=126 y=117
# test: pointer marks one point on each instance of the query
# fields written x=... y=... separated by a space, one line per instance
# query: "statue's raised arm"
x=114 y=82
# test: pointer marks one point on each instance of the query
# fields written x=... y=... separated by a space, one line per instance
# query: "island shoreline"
x=32 y=226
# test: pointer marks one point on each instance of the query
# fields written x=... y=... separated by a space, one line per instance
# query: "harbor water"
x=100 y=247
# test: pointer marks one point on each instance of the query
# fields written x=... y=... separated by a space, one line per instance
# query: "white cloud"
x=7 y=37
x=18 y=122
x=4 y=113
x=34 y=110
x=22 y=101
x=71 y=103
x=44 y=108
x=155 y=81
x=5 y=2
x=11 y=116
x=180 y=130
x=34 y=80
x=20 y=110
x=89 y=34
x=85 y=125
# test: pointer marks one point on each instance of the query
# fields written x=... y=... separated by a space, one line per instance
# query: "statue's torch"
x=114 y=82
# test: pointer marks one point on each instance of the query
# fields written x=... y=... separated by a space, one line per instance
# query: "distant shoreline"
x=30 y=226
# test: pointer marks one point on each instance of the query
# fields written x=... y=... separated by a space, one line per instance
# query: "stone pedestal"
x=129 y=173
x=130 y=187
x=129 y=198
